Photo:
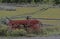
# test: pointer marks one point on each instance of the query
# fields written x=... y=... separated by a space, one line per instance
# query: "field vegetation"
x=45 y=30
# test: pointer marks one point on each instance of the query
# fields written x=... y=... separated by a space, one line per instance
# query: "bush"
x=43 y=32
x=18 y=32
x=3 y=30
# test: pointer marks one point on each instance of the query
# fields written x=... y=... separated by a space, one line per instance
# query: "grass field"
x=19 y=11
x=49 y=13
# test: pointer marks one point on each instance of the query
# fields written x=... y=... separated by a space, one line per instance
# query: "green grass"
x=19 y=11
x=54 y=30
x=50 y=13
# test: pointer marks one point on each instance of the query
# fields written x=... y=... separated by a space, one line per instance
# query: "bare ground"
x=50 y=37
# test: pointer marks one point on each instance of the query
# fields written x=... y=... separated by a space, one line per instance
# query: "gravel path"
x=52 y=37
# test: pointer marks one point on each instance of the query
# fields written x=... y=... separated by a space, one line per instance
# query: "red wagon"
x=26 y=24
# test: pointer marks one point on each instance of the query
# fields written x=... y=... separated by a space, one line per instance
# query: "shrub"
x=18 y=32
x=3 y=30
x=43 y=32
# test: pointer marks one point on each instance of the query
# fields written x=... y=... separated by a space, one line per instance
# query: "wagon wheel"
x=14 y=26
x=19 y=26
x=37 y=29
x=29 y=30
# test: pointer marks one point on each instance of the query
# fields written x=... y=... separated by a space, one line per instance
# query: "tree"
x=57 y=1
x=0 y=1
x=41 y=1
x=14 y=1
x=36 y=1
x=29 y=1
x=6 y=1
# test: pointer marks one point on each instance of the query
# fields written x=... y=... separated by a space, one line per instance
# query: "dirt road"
x=51 y=37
